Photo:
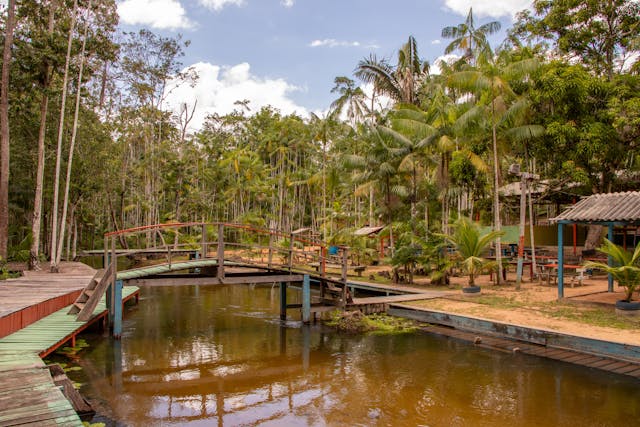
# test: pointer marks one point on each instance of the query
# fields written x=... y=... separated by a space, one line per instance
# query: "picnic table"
x=551 y=270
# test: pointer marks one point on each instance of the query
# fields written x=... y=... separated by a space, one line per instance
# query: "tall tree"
x=400 y=82
x=599 y=33
x=470 y=40
x=4 y=128
x=56 y=179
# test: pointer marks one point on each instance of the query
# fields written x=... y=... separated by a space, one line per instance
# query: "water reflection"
x=220 y=356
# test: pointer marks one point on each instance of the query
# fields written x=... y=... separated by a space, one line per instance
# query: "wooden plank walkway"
x=45 y=335
x=36 y=287
x=28 y=395
x=617 y=366
x=399 y=298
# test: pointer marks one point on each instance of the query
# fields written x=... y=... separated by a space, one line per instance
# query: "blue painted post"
x=109 y=301
x=117 y=310
x=306 y=299
x=560 y=260
x=609 y=259
x=283 y=300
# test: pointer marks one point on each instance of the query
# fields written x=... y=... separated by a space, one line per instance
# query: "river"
x=219 y=355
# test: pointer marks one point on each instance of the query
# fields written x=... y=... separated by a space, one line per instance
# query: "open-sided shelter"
x=609 y=209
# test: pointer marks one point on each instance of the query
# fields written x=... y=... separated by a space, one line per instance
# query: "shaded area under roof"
x=623 y=208
x=367 y=231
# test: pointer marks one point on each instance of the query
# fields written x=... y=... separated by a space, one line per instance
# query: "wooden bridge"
x=225 y=253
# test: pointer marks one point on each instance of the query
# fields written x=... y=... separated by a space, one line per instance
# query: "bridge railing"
x=241 y=243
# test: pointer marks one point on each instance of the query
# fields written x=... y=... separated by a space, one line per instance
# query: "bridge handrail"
x=289 y=253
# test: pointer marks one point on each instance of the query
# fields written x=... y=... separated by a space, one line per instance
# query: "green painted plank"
x=49 y=330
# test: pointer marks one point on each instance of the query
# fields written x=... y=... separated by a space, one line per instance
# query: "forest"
x=88 y=145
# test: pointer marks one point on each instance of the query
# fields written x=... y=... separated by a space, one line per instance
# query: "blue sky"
x=287 y=52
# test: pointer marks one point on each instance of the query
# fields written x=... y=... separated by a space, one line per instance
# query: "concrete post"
x=609 y=259
x=117 y=310
x=306 y=299
x=560 y=260
x=220 y=251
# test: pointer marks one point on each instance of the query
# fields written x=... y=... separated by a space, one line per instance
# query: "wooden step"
x=87 y=301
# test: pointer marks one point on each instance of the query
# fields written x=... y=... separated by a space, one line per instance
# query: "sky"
x=286 y=53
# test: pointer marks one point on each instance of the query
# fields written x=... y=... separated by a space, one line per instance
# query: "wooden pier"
x=34 y=322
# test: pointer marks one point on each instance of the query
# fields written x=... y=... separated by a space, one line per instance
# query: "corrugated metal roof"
x=366 y=231
x=608 y=207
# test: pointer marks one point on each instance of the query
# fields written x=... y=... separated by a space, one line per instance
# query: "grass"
x=589 y=315
x=356 y=322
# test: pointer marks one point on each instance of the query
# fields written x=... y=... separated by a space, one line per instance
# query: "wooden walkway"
x=37 y=294
x=49 y=333
x=28 y=395
x=33 y=323
x=609 y=364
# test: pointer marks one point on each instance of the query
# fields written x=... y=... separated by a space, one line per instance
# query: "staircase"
x=91 y=295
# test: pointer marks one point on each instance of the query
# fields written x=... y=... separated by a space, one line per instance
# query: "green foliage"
x=356 y=322
x=625 y=269
x=470 y=246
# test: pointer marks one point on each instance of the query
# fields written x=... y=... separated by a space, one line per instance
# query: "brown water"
x=219 y=356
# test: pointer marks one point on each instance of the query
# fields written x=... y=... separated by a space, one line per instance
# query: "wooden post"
x=270 y=261
x=105 y=258
x=204 y=242
x=345 y=289
x=323 y=262
x=220 y=251
x=117 y=312
x=306 y=299
x=344 y=264
x=290 y=251
x=283 y=300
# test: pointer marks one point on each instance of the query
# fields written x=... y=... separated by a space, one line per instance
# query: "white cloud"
x=218 y=88
x=449 y=59
x=339 y=43
x=161 y=14
x=436 y=41
x=287 y=3
x=218 y=5
x=488 y=8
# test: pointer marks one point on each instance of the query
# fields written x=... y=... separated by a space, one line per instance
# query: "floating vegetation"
x=356 y=322
x=72 y=352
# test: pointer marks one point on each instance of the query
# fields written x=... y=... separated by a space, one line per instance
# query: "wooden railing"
x=240 y=243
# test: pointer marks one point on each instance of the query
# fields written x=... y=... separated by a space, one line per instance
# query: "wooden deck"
x=47 y=334
x=33 y=323
x=37 y=294
x=28 y=395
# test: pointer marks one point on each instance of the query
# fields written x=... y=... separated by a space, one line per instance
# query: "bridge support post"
x=283 y=300
x=117 y=310
x=220 y=251
x=306 y=299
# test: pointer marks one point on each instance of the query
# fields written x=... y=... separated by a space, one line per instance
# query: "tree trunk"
x=74 y=133
x=56 y=181
x=594 y=237
x=34 y=253
x=4 y=129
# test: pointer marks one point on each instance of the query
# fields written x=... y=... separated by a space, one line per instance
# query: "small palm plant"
x=625 y=269
x=470 y=245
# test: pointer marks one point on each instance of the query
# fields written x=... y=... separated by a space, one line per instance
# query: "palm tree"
x=351 y=98
x=470 y=245
x=625 y=268
x=470 y=40
x=401 y=82
x=498 y=109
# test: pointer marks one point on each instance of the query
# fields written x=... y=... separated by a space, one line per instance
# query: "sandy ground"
x=536 y=305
